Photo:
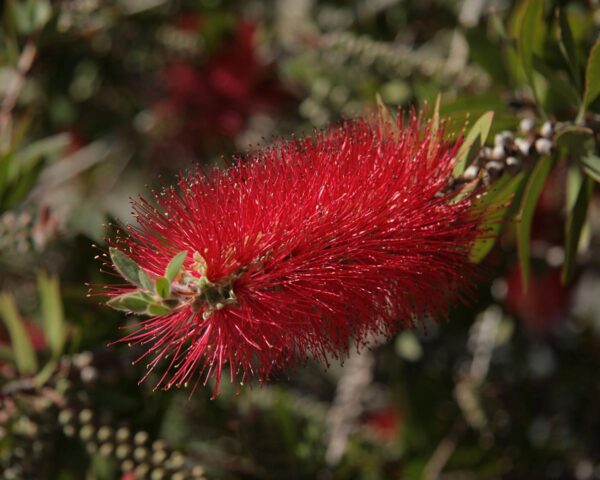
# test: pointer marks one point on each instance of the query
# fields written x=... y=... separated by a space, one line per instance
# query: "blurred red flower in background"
x=206 y=104
x=300 y=249
x=384 y=423
x=36 y=335
x=544 y=302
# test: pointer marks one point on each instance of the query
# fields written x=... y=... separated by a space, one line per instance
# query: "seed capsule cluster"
x=134 y=452
x=509 y=153
x=30 y=433
x=29 y=414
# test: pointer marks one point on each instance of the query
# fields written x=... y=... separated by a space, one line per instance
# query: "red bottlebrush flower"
x=296 y=251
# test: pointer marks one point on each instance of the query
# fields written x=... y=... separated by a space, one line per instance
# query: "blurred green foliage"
x=98 y=98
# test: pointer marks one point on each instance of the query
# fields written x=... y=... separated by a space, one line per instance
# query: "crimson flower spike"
x=296 y=251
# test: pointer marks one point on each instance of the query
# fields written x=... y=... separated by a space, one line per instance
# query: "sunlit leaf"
x=23 y=352
x=163 y=287
x=145 y=281
x=130 y=302
x=473 y=142
x=175 y=265
x=128 y=269
x=52 y=312
x=156 y=309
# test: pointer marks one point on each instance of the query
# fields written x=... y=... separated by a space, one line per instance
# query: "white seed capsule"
x=471 y=172
x=523 y=146
x=122 y=451
x=103 y=433
x=140 y=454
x=86 y=432
x=498 y=153
x=494 y=168
x=140 y=438
x=503 y=138
x=106 y=449
x=85 y=416
x=65 y=417
x=526 y=125
x=547 y=130
x=141 y=471
x=543 y=146
x=157 y=474
x=122 y=434
x=513 y=165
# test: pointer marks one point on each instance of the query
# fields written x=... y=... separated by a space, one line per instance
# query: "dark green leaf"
x=128 y=269
x=495 y=205
x=591 y=165
x=28 y=157
x=530 y=37
x=592 y=76
x=175 y=265
x=532 y=192
x=575 y=138
x=130 y=302
x=163 y=287
x=28 y=17
x=578 y=142
x=576 y=217
x=156 y=309
x=52 y=312
x=567 y=46
x=559 y=84
x=23 y=352
x=470 y=146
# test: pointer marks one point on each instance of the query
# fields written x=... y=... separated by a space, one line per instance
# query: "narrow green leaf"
x=567 y=46
x=163 y=287
x=145 y=281
x=470 y=146
x=532 y=192
x=175 y=265
x=128 y=269
x=575 y=138
x=578 y=142
x=494 y=210
x=530 y=36
x=130 y=302
x=576 y=217
x=28 y=157
x=559 y=84
x=435 y=118
x=53 y=316
x=592 y=76
x=591 y=165
x=24 y=355
x=156 y=309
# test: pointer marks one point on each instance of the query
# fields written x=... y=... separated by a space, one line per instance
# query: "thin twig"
x=17 y=81
x=444 y=451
